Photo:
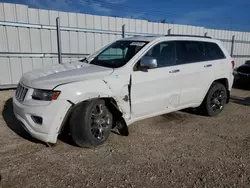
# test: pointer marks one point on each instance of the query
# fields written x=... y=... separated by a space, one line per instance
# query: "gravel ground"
x=180 y=149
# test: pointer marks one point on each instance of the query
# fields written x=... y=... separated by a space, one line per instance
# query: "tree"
x=163 y=21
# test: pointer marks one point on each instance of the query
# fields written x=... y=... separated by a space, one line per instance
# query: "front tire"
x=90 y=123
x=215 y=100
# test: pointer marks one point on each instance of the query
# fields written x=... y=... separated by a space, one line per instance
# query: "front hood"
x=50 y=77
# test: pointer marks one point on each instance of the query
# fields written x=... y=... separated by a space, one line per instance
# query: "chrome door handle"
x=209 y=65
x=174 y=71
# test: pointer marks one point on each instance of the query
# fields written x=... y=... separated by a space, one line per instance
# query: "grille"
x=21 y=93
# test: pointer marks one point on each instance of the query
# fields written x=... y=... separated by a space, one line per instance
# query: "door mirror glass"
x=148 y=62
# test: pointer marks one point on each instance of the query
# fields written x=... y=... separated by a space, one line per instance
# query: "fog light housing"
x=37 y=119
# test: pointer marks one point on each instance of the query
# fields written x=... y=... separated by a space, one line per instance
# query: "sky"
x=216 y=14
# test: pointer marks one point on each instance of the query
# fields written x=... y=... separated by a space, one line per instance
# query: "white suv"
x=129 y=80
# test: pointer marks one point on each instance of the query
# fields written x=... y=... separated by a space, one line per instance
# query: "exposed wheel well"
x=113 y=108
x=111 y=105
x=224 y=81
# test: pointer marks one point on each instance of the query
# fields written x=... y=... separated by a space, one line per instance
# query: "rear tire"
x=90 y=124
x=215 y=100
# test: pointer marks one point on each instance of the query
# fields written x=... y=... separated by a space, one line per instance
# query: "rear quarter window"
x=197 y=51
x=213 y=51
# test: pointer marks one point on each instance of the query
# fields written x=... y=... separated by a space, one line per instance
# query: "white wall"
x=96 y=32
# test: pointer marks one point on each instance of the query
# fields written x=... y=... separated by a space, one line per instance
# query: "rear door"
x=217 y=59
x=197 y=72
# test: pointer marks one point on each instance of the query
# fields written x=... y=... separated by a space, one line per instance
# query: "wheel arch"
x=224 y=81
x=111 y=103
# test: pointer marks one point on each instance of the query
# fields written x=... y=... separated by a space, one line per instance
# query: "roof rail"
x=199 y=36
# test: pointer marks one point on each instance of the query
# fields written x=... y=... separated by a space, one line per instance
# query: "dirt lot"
x=176 y=150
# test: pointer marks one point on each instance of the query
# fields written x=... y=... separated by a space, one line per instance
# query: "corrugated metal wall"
x=81 y=34
x=241 y=51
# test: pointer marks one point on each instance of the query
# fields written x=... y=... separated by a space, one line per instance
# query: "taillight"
x=233 y=64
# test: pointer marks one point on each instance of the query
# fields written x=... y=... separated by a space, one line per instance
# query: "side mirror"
x=148 y=62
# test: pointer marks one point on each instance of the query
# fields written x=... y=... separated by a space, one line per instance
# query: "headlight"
x=45 y=95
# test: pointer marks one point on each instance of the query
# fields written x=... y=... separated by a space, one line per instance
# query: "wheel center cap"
x=216 y=101
x=99 y=121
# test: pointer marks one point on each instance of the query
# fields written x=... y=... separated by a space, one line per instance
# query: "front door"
x=156 y=90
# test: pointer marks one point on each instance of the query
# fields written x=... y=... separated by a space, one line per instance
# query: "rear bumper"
x=52 y=115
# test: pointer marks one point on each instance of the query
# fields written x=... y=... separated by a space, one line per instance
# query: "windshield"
x=118 y=53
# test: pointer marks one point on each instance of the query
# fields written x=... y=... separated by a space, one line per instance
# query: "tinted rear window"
x=195 y=51
x=213 y=51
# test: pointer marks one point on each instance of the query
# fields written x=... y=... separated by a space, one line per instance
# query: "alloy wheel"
x=217 y=100
x=100 y=121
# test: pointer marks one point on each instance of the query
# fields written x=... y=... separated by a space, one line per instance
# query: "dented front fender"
x=83 y=90
x=99 y=88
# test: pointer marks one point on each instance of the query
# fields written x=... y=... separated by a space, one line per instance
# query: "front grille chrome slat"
x=21 y=92
x=17 y=91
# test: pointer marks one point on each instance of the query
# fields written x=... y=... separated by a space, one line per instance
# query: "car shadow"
x=239 y=100
x=14 y=124
x=194 y=111
x=65 y=136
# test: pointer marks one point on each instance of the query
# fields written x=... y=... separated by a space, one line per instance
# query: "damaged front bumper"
x=42 y=122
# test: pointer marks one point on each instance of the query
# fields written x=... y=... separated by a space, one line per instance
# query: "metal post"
x=169 y=32
x=59 y=47
x=123 y=31
x=232 y=46
x=123 y=36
